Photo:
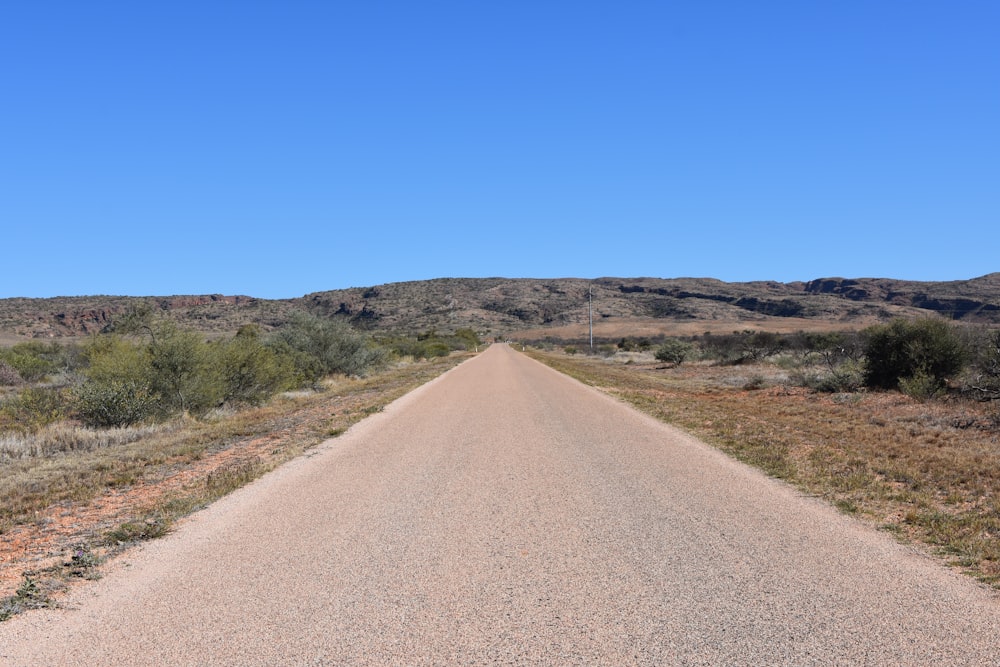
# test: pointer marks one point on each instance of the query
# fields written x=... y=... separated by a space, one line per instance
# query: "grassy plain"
x=927 y=472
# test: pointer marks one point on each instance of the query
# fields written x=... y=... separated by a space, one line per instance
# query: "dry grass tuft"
x=63 y=437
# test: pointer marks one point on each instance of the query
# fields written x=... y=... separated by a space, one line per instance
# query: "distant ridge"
x=509 y=306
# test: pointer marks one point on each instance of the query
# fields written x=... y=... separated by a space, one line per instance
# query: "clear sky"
x=280 y=148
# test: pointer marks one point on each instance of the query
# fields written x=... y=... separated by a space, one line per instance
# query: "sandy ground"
x=504 y=514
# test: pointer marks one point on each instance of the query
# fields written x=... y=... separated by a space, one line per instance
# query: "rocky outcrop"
x=969 y=300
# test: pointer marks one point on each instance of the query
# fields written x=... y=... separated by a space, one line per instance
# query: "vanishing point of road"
x=504 y=514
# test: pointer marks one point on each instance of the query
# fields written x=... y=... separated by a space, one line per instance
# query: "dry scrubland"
x=928 y=472
x=78 y=495
x=73 y=490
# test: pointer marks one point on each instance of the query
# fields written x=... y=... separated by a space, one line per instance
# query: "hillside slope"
x=505 y=307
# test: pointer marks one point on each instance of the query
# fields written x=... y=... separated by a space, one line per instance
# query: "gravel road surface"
x=504 y=514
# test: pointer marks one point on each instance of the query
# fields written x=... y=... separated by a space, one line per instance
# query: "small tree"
x=925 y=349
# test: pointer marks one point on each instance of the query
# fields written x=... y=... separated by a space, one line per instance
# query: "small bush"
x=118 y=389
x=9 y=377
x=905 y=349
x=673 y=351
x=634 y=344
x=183 y=374
x=114 y=402
x=129 y=532
x=421 y=348
x=467 y=339
x=846 y=377
x=319 y=347
x=436 y=349
x=921 y=386
x=251 y=372
x=32 y=408
x=36 y=360
x=29 y=595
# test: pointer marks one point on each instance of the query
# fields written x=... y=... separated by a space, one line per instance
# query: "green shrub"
x=114 y=402
x=9 y=377
x=111 y=357
x=118 y=386
x=926 y=348
x=30 y=409
x=605 y=350
x=634 y=344
x=921 y=386
x=318 y=347
x=673 y=351
x=467 y=339
x=251 y=372
x=846 y=377
x=436 y=349
x=431 y=344
x=27 y=360
x=182 y=372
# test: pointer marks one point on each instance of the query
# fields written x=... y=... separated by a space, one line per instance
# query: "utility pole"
x=590 y=293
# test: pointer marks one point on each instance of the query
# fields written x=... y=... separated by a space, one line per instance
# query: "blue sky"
x=280 y=148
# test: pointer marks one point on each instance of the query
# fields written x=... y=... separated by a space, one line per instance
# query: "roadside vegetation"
x=109 y=441
x=898 y=424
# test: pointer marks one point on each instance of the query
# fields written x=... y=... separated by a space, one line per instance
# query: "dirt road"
x=504 y=514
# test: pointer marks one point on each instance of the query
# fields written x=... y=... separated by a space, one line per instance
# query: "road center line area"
x=504 y=514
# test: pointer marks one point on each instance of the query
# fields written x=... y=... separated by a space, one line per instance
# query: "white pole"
x=590 y=292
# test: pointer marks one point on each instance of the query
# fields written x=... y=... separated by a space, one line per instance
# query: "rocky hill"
x=540 y=307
